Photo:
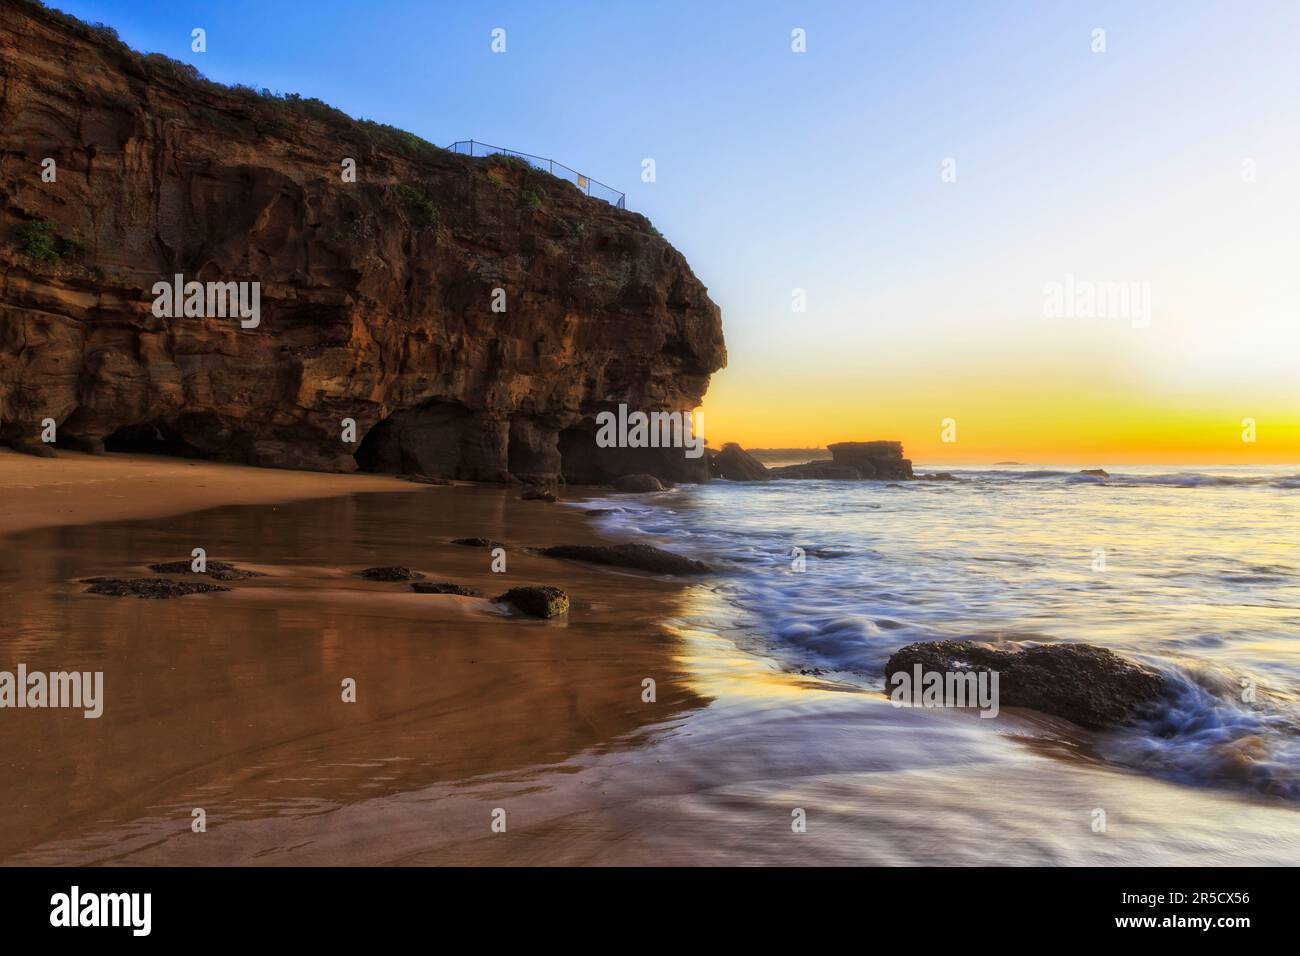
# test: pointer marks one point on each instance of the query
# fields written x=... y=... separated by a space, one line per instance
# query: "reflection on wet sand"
x=232 y=702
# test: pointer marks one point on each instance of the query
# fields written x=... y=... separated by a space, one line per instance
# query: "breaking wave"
x=834 y=576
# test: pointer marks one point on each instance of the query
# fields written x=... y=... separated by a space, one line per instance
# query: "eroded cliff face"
x=375 y=296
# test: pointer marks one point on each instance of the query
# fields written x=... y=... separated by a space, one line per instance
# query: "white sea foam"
x=1199 y=577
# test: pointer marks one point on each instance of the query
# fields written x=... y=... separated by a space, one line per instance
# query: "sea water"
x=1193 y=571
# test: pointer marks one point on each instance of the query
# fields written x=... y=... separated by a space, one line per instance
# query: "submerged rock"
x=539 y=600
x=537 y=495
x=393 y=573
x=937 y=476
x=1089 y=685
x=156 y=588
x=827 y=552
x=733 y=463
x=478 y=542
x=219 y=570
x=641 y=557
x=443 y=587
x=638 y=483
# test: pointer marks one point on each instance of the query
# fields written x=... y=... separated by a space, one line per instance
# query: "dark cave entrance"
x=379 y=450
x=428 y=440
x=579 y=455
x=150 y=438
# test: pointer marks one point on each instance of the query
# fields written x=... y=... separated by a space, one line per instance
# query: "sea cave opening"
x=150 y=438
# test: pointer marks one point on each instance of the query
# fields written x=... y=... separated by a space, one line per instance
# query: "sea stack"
x=873 y=459
x=853 y=461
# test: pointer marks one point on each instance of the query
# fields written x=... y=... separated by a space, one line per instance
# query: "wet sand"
x=231 y=702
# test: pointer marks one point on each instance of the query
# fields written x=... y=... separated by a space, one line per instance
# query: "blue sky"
x=821 y=170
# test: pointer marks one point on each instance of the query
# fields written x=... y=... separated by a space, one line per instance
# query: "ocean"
x=1195 y=572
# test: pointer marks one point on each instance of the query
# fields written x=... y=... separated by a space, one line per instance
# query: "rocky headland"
x=434 y=314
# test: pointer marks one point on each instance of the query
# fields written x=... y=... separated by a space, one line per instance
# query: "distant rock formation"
x=873 y=459
x=853 y=460
x=376 y=295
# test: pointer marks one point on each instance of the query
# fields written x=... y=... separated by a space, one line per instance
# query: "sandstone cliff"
x=375 y=296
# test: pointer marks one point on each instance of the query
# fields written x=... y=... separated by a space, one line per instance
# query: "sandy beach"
x=76 y=488
x=231 y=701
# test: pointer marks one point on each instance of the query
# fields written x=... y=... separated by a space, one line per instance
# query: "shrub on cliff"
x=381 y=134
x=101 y=31
x=41 y=241
x=508 y=161
x=38 y=240
x=422 y=204
x=160 y=63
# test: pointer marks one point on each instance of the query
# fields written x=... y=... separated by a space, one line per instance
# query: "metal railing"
x=591 y=187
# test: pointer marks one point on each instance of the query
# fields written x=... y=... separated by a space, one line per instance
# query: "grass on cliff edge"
x=380 y=135
x=164 y=67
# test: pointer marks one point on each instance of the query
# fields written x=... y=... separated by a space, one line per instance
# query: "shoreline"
x=230 y=702
x=75 y=488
